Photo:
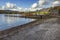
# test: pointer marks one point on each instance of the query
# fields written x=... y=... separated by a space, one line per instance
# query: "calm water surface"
x=9 y=22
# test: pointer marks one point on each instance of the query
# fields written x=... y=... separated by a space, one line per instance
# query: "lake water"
x=7 y=22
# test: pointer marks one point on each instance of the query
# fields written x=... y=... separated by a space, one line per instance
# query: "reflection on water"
x=8 y=22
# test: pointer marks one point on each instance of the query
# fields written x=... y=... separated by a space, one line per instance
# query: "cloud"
x=10 y=6
x=56 y=3
x=34 y=5
x=38 y=5
x=2 y=7
x=46 y=3
x=31 y=9
x=13 y=7
x=41 y=2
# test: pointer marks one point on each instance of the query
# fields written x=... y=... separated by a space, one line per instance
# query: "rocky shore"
x=44 y=29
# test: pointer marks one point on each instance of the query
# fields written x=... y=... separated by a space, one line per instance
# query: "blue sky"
x=28 y=5
x=21 y=3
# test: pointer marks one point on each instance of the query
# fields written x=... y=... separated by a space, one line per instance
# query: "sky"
x=21 y=3
x=27 y=5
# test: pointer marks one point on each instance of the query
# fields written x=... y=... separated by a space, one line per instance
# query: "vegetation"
x=46 y=11
x=43 y=13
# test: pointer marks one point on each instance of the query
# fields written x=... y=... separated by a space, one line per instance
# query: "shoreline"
x=12 y=31
x=7 y=32
x=32 y=17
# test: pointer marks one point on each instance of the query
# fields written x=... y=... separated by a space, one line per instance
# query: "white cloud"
x=46 y=3
x=38 y=5
x=31 y=9
x=56 y=3
x=34 y=5
x=10 y=6
x=41 y=2
x=13 y=7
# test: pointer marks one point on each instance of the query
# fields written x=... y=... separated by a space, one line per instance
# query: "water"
x=9 y=22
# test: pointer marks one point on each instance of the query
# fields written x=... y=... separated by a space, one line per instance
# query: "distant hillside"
x=51 y=10
x=55 y=8
x=10 y=12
